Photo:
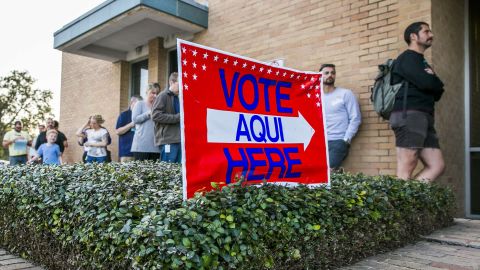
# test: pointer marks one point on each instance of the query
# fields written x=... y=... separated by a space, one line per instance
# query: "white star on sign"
x=291 y=75
x=317 y=95
x=215 y=58
x=186 y=87
x=253 y=67
x=317 y=87
x=278 y=72
x=204 y=67
x=318 y=104
x=269 y=71
x=298 y=77
x=205 y=55
x=194 y=52
x=308 y=95
x=225 y=60
x=244 y=65
x=185 y=74
x=261 y=69
x=312 y=79
x=194 y=76
x=194 y=65
x=235 y=62
x=284 y=74
x=303 y=86
x=184 y=50
x=184 y=62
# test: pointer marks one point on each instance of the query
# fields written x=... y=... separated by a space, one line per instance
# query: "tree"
x=20 y=101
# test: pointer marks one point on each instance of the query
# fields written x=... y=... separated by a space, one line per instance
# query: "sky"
x=26 y=42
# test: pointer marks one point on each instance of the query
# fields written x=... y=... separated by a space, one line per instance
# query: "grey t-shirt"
x=143 y=140
x=342 y=114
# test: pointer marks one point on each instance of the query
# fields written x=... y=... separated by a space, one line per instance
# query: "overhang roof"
x=117 y=27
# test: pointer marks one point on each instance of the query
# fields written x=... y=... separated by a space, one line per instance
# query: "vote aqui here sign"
x=243 y=117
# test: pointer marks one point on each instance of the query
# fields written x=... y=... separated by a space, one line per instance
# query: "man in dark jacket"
x=166 y=117
x=412 y=119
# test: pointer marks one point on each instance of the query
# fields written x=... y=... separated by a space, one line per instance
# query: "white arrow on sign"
x=222 y=127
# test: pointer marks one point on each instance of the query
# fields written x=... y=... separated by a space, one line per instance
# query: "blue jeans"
x=174 y=155
x=18 y=160
x=91 y=159
x=337 y=152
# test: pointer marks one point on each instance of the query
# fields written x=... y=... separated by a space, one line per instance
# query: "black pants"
x=146 y=156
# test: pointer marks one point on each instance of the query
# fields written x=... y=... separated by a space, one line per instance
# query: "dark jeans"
x=91 y=159
x=337 y=152
x=18 y=160
x=174 y=155
x=146 y=156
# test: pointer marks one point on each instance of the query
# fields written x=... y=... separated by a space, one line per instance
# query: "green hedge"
x=124 y=216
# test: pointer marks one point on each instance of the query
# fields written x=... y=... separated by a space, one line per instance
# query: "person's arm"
x=40 y=140
x=103 y=143
x=413 y=70
x=7 y=141
x=60 y=159
x=159 y=112
x=81 y=131
x=138 y=114
x=122 y=128
x=354 y=116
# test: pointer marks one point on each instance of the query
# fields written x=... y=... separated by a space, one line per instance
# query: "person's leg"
x=176 y=153
x=101 y=159
x=337 y=151
x=407 y=160
x=433 y=162
x=126 y=159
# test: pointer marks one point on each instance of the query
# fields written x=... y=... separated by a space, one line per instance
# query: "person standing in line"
x=32 y=152
x=166 y=116
x=17 y=142
x=50 y=151
x=143 y=147
x=125 y=130
x=342 y=116
x=97 y=139
x=412 y=118
x=61 y=138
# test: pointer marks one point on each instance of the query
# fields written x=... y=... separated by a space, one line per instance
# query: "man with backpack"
x=412 y=117
x=342 y=116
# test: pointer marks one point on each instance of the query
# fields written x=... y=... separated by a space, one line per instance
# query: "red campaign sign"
x=243 y=117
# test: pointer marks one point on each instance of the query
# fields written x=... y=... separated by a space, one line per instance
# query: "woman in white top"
x=143 y=145
x=97 y=139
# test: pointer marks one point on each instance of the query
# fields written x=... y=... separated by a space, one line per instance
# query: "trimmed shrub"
x=124 y=216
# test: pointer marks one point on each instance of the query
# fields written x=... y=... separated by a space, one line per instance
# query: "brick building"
x=114 y=50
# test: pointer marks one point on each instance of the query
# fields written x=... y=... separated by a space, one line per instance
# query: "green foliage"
x=124 y=216
x=20 y=101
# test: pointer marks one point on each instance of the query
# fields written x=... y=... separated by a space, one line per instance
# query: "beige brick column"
x=157 y=62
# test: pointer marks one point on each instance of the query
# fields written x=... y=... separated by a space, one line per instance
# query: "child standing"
x=50 y=151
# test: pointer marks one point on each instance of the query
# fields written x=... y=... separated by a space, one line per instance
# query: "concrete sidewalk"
x=454 y=248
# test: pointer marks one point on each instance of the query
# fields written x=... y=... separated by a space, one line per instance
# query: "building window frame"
x=138 y=86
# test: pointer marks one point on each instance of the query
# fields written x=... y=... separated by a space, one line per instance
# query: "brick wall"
x=447 y=55
x=356 y=35
x=89 y=86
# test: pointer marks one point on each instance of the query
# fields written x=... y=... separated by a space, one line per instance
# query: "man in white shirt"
x=342 y=116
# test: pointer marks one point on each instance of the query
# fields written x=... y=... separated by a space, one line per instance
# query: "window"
x=172 y=62
x=139 y=78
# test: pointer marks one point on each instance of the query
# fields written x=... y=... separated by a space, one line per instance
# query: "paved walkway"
x=454 y=248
